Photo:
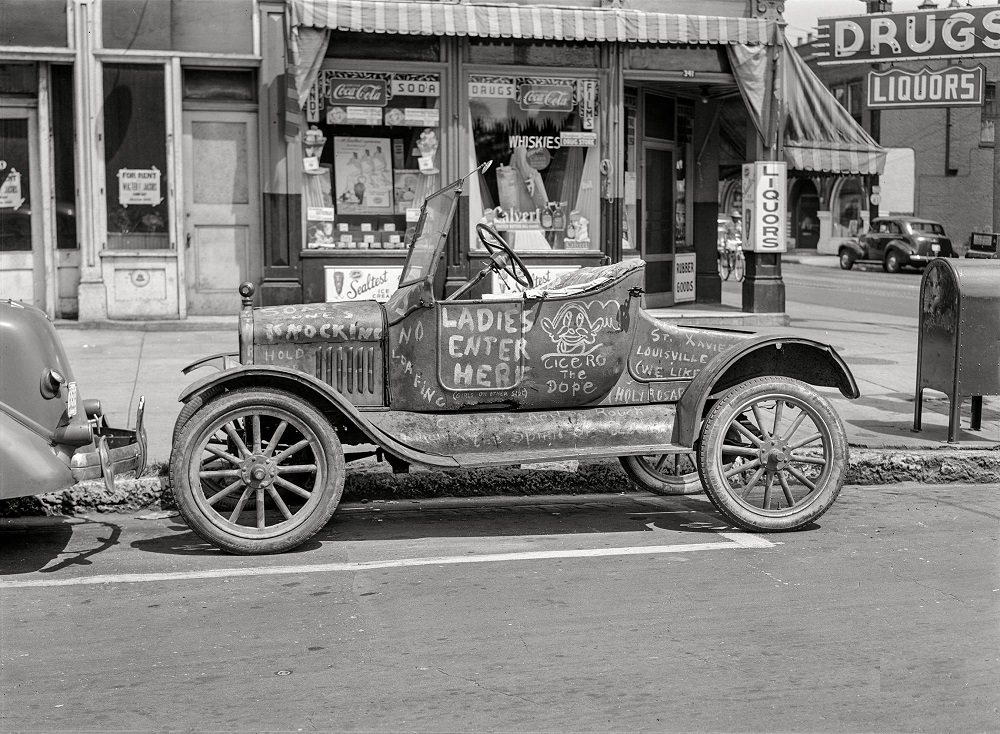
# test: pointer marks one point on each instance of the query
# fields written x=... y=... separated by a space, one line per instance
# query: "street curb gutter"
x=866 y=467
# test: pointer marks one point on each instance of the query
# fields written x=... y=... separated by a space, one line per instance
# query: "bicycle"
x=731 y=262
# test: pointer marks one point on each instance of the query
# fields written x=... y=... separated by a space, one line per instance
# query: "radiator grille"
x=349 y=369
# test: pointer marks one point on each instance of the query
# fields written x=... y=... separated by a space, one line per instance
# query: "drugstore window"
x=541 y=134
x=371 y=153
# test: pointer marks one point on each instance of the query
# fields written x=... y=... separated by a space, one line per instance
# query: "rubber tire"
x=191 y=407
x=713 y=433
x=739 y=266
x=893 y=263
x=846 y=260
x=724 y=267
x=216 y=529
x=646 y=477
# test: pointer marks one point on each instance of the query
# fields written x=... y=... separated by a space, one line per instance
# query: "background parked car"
x=52 y=437
x=897 y=242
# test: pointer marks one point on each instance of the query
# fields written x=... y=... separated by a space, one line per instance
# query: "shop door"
x=658 y=223
x=221 y=209
x=807 y=219
x=22 y=253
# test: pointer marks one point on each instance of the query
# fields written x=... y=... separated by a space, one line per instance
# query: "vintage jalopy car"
x=50 y=437
x=572 y=368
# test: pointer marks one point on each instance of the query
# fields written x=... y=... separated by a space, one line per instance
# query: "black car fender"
x=855 y=247
x=314 y=391
x=802 y=359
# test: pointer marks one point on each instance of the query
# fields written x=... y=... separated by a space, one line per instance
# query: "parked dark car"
x=567 y=369
x=52 y=438
x=896 y=243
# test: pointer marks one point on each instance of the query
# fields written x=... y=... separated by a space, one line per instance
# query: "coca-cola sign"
x=556 y=97
x=358 y=92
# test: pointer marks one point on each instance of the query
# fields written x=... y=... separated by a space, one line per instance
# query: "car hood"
x=330 y=323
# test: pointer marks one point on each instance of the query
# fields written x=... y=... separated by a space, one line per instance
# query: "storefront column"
x=93 y=299
x=763 y=288
x=708 y=286
x=280 y=166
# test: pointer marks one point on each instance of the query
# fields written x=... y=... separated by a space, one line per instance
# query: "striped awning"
x=820 y=135
x=526 y=21
x=817 y=133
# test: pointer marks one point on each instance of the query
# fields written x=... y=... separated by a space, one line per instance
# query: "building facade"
x=156 y=153
x=941 y=161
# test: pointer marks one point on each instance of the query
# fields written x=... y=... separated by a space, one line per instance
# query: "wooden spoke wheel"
x=773 y=454
x=668 y=474
x=257 y=471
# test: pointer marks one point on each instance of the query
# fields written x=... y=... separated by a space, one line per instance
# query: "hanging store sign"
x=10 y=188
x=684 y=277
x=953 y=86
x=139 y=186
x=358 y=92
x=926 y=34
x=413 y=85
x=765 y=207
x=548 y=97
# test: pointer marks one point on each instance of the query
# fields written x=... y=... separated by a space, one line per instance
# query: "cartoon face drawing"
x=572 y=329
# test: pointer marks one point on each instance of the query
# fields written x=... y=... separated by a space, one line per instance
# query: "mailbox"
x=958 y=345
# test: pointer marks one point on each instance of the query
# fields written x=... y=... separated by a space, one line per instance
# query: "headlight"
x=51 y=383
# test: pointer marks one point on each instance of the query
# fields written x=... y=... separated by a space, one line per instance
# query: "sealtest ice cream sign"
x=764 y=206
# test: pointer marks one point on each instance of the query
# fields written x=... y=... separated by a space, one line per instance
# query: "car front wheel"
x=773 y=454
x=893 y=262
x=846 y=260
x=273 y=453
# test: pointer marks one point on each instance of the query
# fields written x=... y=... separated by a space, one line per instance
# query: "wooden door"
x=221 y=209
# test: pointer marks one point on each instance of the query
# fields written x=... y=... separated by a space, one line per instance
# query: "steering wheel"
x=497 y=246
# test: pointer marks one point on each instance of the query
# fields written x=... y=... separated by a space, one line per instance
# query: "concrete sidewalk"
x=118 y=362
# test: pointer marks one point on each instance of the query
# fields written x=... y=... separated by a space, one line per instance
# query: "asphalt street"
x=605 y=613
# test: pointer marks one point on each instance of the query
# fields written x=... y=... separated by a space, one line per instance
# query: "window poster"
x=541 y=135
x=363 y=175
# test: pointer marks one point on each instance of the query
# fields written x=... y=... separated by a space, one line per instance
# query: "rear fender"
x=802 y=359
x=345 y=415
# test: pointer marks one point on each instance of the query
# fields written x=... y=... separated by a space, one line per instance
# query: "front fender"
x=316 y=392
x=802 y=359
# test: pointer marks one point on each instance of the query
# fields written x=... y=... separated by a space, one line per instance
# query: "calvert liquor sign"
x=953 y=86
x=923 y=34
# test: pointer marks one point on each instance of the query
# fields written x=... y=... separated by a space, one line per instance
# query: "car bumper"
x=924 y=259
x=118 y=450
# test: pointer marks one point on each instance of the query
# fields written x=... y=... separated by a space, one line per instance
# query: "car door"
x=876 y=239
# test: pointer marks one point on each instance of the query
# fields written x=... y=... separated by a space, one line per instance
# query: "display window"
x=371 y=153
x=135 y=157
x=541 y=135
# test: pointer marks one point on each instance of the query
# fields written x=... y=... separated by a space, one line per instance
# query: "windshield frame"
x=426 y=245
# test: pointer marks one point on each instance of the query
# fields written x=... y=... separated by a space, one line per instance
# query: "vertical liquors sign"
x=765 y=206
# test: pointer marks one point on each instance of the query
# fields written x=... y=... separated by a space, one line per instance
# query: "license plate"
x=71 y=400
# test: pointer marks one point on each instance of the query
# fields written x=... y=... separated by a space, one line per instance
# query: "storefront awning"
x=525 y=21
x=818 y=133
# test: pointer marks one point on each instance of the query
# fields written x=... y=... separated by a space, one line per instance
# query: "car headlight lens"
x=51 y=383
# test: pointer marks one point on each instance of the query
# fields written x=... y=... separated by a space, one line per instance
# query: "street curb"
x=376 y=482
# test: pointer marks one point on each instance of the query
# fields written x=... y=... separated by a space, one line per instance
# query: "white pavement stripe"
x=734 y=541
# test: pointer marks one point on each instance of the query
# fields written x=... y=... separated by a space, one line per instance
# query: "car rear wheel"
x=846 y=259
x=276 y=454
x=893 y=262
x=773 y=454
x=668 y=474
